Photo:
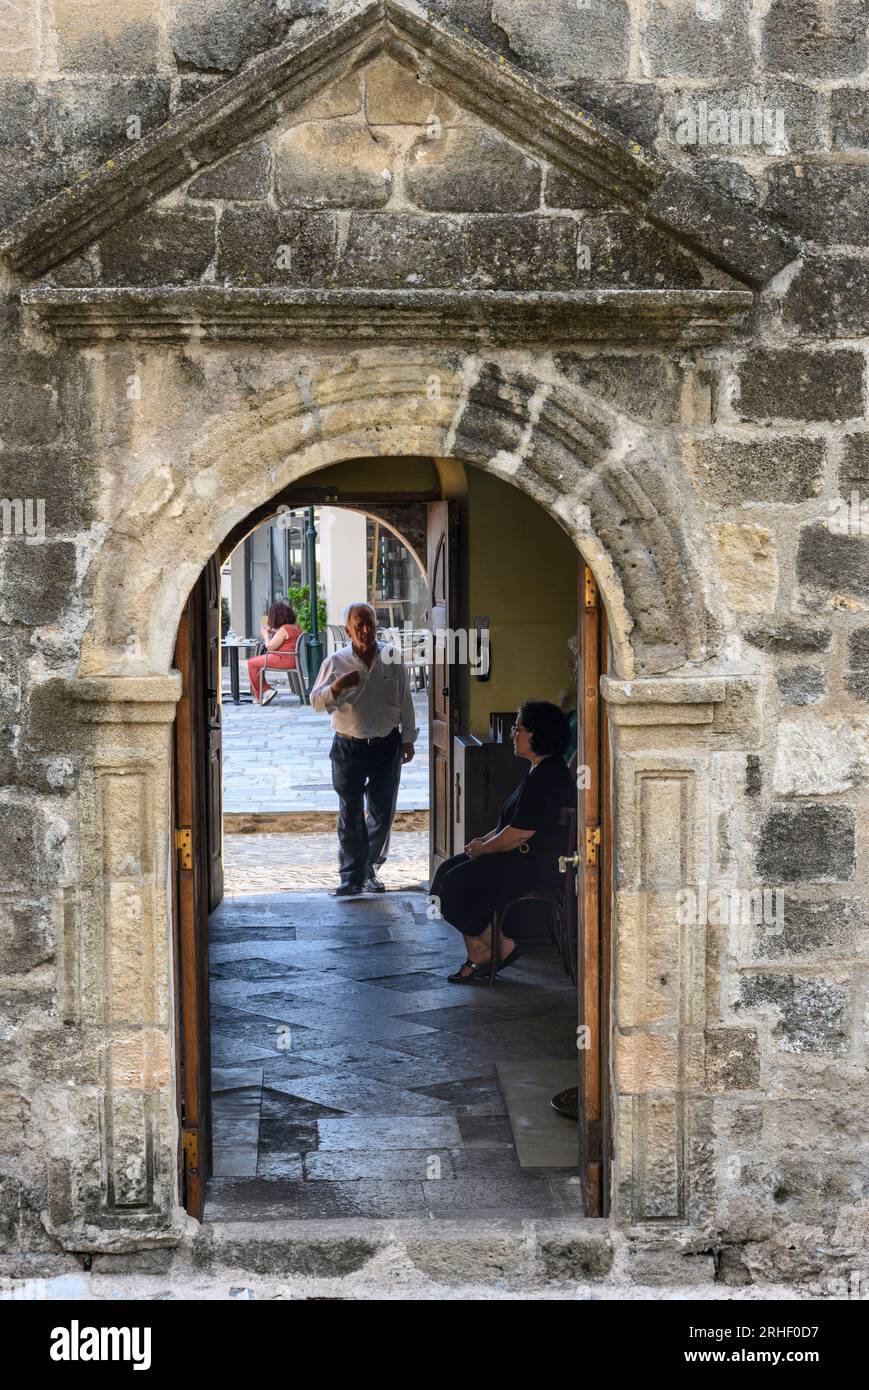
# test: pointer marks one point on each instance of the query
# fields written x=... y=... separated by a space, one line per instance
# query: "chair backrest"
x=302 y=655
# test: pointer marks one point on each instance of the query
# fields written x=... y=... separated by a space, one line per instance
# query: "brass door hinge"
x=190 y=1148
x=184 y=846
x=590 y=590
x=592 y=843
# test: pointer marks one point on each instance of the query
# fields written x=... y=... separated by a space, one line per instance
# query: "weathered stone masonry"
x=462 y=230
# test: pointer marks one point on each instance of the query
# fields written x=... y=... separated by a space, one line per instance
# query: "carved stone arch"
x=597 y=475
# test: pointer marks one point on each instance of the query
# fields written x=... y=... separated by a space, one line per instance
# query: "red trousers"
x=279 y=661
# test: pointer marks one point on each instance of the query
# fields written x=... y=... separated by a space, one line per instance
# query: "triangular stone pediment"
x=382 y=148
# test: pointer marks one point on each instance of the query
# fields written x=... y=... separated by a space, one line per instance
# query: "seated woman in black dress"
x=521 y=854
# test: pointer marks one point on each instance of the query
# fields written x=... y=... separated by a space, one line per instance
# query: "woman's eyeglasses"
x=518 y=729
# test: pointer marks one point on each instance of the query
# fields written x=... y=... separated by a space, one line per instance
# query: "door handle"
x=568 y=861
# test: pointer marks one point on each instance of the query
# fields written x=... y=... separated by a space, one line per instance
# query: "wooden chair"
x=557 y=918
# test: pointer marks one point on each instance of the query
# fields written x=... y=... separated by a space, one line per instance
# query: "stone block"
x=748 y=566
x=471 y=170
x=262 y=247
x=828 y=203
x=811 y=38
x=816 y=757
x=834 y=566
x=243 y=177
x=96 y=38
x=643 y=385
x=584 y=1255
x=627 y=253
x=681 y=41
x=634 y=108
x=561 y=190
x=849 y=118
x=799 y=384
x=219 y=35
x=854 y=464
x=789 y=639
x=395 y=95
x=812 y=1014
x=772 y=116
x=26 y=936
x=772 y=469
x=106 y=121
x=801 y=685
x=160 y=247
x=857 y=670
x=63 y=482
x=829 y=297
x=729 y=232
x=805 y=844
x=39 y=580
x=732 y=1059
x=808 y=928
x=565 y=41
x=19 y=50
x=507 y=253
x=328 y=164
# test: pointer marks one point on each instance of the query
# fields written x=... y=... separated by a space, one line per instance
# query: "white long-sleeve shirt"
x=380 y=702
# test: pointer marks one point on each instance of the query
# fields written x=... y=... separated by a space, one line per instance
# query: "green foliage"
x=225 y=622
x=300 y=599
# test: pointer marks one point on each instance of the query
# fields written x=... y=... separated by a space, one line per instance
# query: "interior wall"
x=342 y=560
x=518 y=567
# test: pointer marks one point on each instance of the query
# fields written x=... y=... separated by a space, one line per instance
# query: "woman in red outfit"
x=280 y=637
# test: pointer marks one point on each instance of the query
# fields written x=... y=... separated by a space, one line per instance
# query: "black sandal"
x=477 y=972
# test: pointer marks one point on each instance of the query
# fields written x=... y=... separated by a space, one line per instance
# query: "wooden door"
x=214 y=774
x=443 y=712
x=593 y=864
x=192 y=737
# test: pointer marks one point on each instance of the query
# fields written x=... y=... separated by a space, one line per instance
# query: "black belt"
x=365 y=742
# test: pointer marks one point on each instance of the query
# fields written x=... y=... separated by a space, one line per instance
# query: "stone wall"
x=709 y=475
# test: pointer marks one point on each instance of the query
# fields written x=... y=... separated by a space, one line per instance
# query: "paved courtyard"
x=350 y=1079
x=276 y=758
x=297 y=863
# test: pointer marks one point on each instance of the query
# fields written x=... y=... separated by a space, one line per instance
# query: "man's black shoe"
x=345 y=890
x=372 y=884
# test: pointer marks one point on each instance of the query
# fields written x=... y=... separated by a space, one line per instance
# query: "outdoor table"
x=250 y=647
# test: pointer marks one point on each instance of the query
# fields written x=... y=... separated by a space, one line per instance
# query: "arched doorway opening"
x=463 y=1080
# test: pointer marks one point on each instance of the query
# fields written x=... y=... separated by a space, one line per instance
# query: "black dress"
x=470 y=890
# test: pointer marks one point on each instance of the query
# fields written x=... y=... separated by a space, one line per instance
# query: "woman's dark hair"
x=281 y=615
x=547 y=726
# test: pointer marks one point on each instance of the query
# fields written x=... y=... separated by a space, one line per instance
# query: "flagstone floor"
x=350 y=1079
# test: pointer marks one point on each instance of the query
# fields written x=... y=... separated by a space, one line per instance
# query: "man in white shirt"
x=374 y=723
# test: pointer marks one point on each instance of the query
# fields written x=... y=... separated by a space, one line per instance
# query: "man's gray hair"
x=354 y=608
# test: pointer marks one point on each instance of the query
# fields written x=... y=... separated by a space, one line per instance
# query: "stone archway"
x=185 y=485
x=192 y=478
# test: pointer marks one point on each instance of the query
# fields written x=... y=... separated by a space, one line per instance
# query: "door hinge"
x=190 y=1149
x=592 y=843
x=184 y=846
x=590 y=590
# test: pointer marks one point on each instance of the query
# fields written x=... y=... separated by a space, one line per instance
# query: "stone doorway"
x=347 y=1075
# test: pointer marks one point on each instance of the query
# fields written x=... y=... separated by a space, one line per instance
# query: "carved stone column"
x=665 y=732
x=118 y=967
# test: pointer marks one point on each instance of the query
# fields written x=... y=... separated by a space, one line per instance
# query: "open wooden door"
x=194 y=809
x=214 y=824
x=441 y=557
x=593 y=895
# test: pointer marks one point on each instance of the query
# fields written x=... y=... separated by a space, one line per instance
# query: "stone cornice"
x=727 y=233
x=487 y=316
x=125 y=699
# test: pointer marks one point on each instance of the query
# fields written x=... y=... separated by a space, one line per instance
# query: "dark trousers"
x=366 y=777
x=471 y=890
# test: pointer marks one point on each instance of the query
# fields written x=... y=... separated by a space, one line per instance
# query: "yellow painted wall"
x=522 y=570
